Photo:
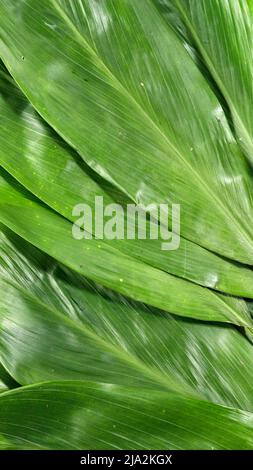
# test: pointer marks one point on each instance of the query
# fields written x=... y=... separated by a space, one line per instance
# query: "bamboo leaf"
x=115 y=344
x=79 y=415
x=102 y=74
x=104 y=264
x=55 y=325
x=45 y=165
x=222 y=31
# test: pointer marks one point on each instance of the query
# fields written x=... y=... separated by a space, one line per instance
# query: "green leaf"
x=42 y=162
x=103 y=75
x=222 y=31
x=133 y=118
x=102 y=263
x=55 y=325
x=79 y=415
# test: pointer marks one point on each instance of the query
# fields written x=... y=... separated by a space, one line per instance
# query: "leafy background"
x=115 y=344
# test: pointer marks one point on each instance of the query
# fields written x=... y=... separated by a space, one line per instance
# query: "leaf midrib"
x=214 y=72
x=115 y=251
x=82 y=41
x=178 y=386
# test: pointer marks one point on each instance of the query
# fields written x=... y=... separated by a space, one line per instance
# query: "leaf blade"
x=40 y=161
x=228 y=24
x=62 y=415
x=100 y=262
x=64 y=327
x=112 y=102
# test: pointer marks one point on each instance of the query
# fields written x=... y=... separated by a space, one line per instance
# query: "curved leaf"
x=57 y=325
x=86 y=67
x=76 y=415
x=223 y=34
x=40 y=160
x=102 y=263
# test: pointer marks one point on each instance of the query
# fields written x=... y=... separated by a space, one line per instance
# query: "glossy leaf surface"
x=57 y=325
x=39 y=159
x=102 y=74
x=222 y=31
x=101 y=263
x=76 y=415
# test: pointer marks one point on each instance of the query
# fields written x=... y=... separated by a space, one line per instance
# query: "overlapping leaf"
x=39 y=159
x=222 y=31
x=102 y=263
x=102 y=74
x=57 y=325
x=148 y=129
x=76 y=415
x=6 y=381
